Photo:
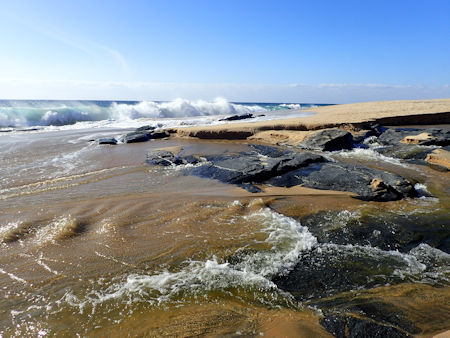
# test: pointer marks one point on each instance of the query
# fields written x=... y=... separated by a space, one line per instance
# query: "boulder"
x=329 y=140
x=135 y=137
x=107 y=140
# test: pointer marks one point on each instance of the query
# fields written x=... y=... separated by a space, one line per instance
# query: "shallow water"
x=96 y=242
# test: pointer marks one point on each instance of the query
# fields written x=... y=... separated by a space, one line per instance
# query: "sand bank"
x=356 y=115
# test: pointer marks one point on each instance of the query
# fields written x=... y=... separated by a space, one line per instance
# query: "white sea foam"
x=181 y=108
x=369 y=154
x=286 y=237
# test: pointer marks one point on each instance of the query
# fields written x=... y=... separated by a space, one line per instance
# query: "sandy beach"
x=356 y=115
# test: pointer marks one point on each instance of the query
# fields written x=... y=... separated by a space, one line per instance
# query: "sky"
x=249 y=51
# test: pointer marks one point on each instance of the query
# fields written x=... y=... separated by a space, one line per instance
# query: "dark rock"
x=145 y=129
x=394 y=136
x=251 y=168
x=158 y=134
x=135 y=137
x=382 y=229
x=107 y=140
x=329 y=140
x=370 y=184
x=238 y=117
x=384 y=313
x=163 y=158
x=269 y=151
x=288 y=168
x=352 y=327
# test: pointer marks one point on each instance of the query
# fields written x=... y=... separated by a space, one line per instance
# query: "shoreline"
x=349 y=116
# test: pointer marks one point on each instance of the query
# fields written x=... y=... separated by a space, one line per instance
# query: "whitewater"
x=50 y=114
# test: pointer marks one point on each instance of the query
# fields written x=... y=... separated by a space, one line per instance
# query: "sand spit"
x=353 y=116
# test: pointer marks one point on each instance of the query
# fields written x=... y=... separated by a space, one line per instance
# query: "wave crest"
x=181 y=108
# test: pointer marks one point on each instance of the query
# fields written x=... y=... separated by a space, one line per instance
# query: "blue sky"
x=297 y=51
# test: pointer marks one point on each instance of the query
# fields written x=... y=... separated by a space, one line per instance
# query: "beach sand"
x=356 y=115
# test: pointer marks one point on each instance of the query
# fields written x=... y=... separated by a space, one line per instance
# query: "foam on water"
x=369 y=154
x=285 y=237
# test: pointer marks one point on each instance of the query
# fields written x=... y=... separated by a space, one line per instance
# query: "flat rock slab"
x=370 y=184
x=285 y=168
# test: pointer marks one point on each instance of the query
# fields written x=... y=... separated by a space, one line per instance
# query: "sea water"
x=95 y=241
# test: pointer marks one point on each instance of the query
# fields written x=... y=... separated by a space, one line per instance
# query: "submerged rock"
x=351 y=326
x=329 y=140
x=163 y=158
x=381 y=229
x=107 y=140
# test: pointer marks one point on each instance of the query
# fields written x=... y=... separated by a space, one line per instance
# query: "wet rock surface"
x=386 y=230
x=144 y=134
x=107 y=140
x=370 y=184
x=285 y=168
x=350 y=326
x=427 y=137
x=329 y=140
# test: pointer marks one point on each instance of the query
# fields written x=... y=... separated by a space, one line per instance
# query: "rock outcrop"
x=285 y=168
x=329 y=140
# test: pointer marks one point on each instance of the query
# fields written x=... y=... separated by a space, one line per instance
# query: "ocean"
x=122 y=114
x=95 y=242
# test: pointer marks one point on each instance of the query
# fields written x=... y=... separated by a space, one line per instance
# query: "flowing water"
x=95 y=242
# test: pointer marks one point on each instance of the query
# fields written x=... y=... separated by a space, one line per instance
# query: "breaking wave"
x=58 y=113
